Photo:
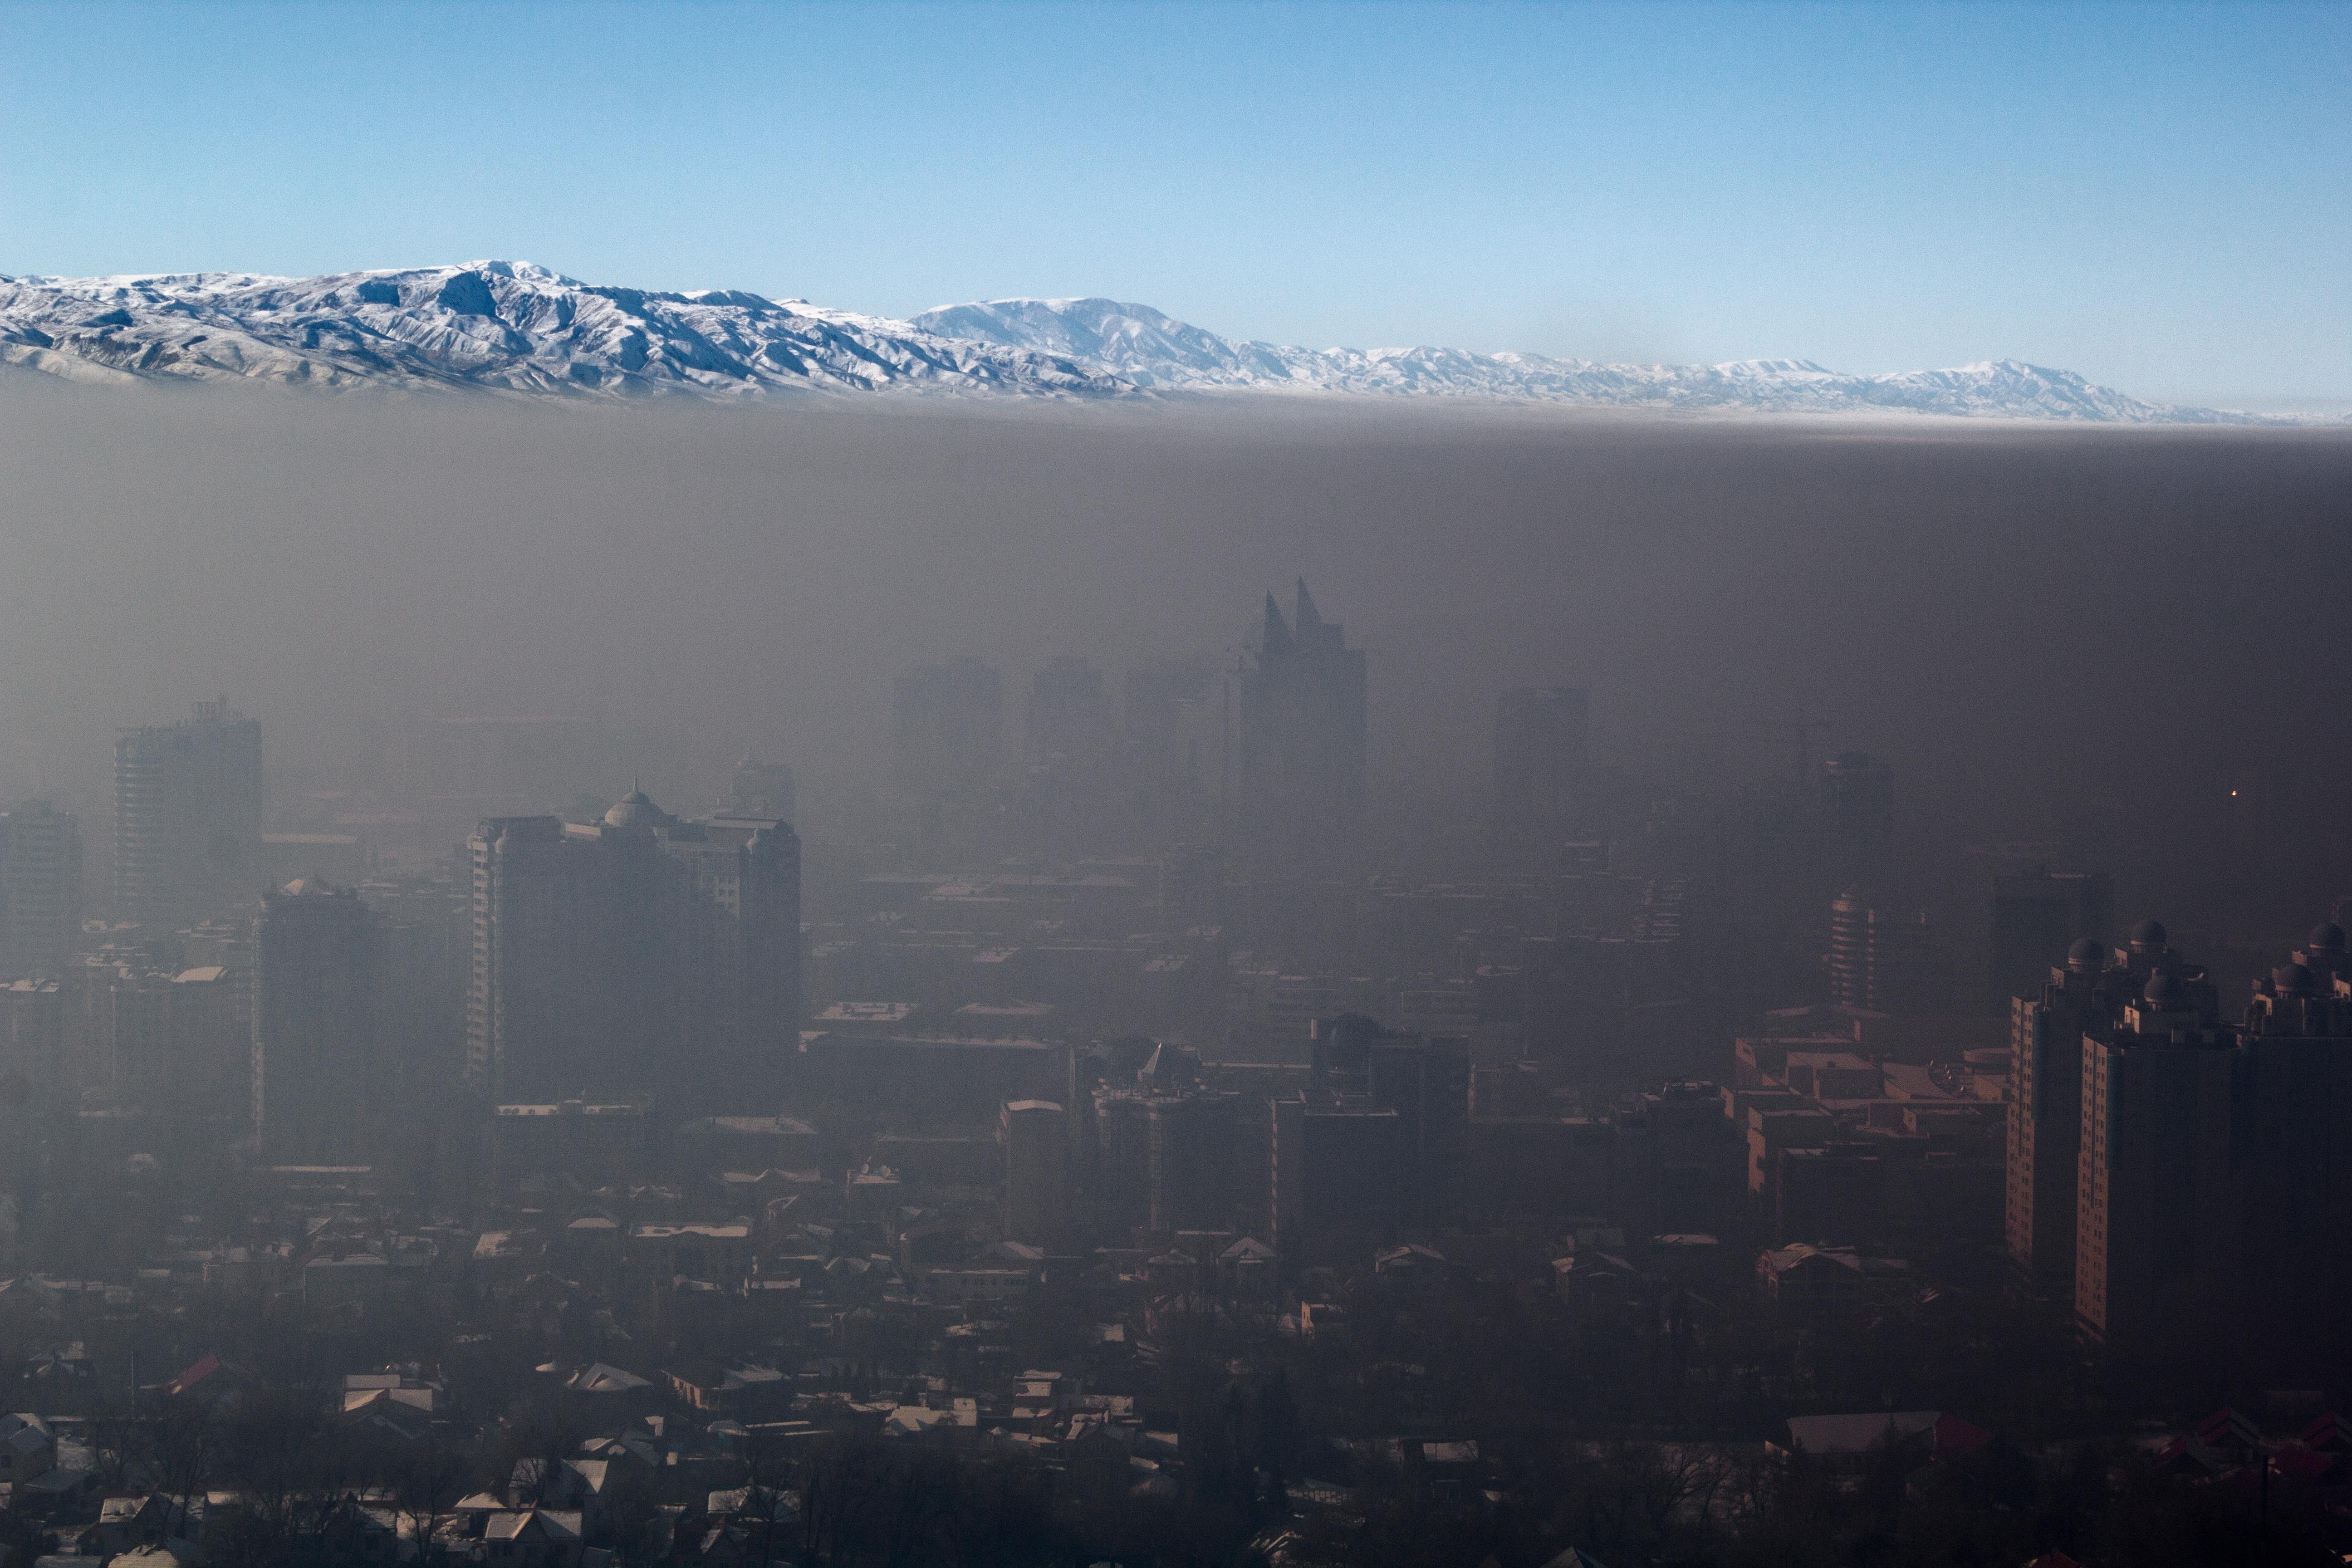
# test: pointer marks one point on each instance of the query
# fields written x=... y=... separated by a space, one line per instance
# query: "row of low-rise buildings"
x=1848 y=1144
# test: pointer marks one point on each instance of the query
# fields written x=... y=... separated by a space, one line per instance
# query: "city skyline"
x=651 y=921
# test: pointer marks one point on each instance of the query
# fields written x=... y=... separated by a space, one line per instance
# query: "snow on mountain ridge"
x=1154 y=350
x=496 y=325
x=519 y=328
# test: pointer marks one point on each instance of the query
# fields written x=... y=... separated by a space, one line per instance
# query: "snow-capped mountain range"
x=517 y=328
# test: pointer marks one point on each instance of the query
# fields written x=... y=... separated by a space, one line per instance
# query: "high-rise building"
x=640 y=955
x=40 y=889
x=947 y=722
x=2157 y=1252
x=2297 y=1222
x=2037 y=914
x=187 y=815
x=2213 y=1177
x=1164 y=1149
x=317 y=1061
x=1036 y=1135
x=2047 y=1026
x=1882 y=962
x=1192 y=1138
x=1301 y=737
x=1540 y=740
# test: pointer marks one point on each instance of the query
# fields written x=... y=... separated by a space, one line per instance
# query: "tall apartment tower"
x=319 y=1075
x=1539 y=741
x=40 y=889
x=637 y=956
x=2297 y=1067
x=2158 y=1252
x=1882 y=960
x=1301 y=740
x=2085 y=999
x=947 y=722
x=187 y=815
x=1036 y=1135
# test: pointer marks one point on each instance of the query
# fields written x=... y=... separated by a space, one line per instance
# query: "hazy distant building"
x=762 y=789
x=2039 y=914
x=932 y=1080
x=1175 y=723
x=457 y=770
x=40 y=889
x=1069 y=713
x=1300 y=741
x=1540 y=742
x=187 y=815
x=947 y=722
x=1858 y=807
x=318 y=1057
x=636 y=955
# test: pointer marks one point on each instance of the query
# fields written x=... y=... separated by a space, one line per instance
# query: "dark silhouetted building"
x=187 y=815
x=2047 y=1027
x=317 y=1066
x=2297 y=1224
x=1378 y=1140
x=1036 y=1134
x=640 y=955
x=2159 y=1256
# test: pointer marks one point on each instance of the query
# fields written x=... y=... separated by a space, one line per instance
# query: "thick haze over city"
x=1174 y=786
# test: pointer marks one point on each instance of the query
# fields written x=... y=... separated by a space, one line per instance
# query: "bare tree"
x=426 y=1480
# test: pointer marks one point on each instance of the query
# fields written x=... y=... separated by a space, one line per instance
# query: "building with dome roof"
x=640 y=955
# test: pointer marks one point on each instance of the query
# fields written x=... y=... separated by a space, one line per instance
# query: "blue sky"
x=2159 y=198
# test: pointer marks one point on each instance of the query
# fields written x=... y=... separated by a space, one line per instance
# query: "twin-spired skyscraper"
x=1301 y=740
